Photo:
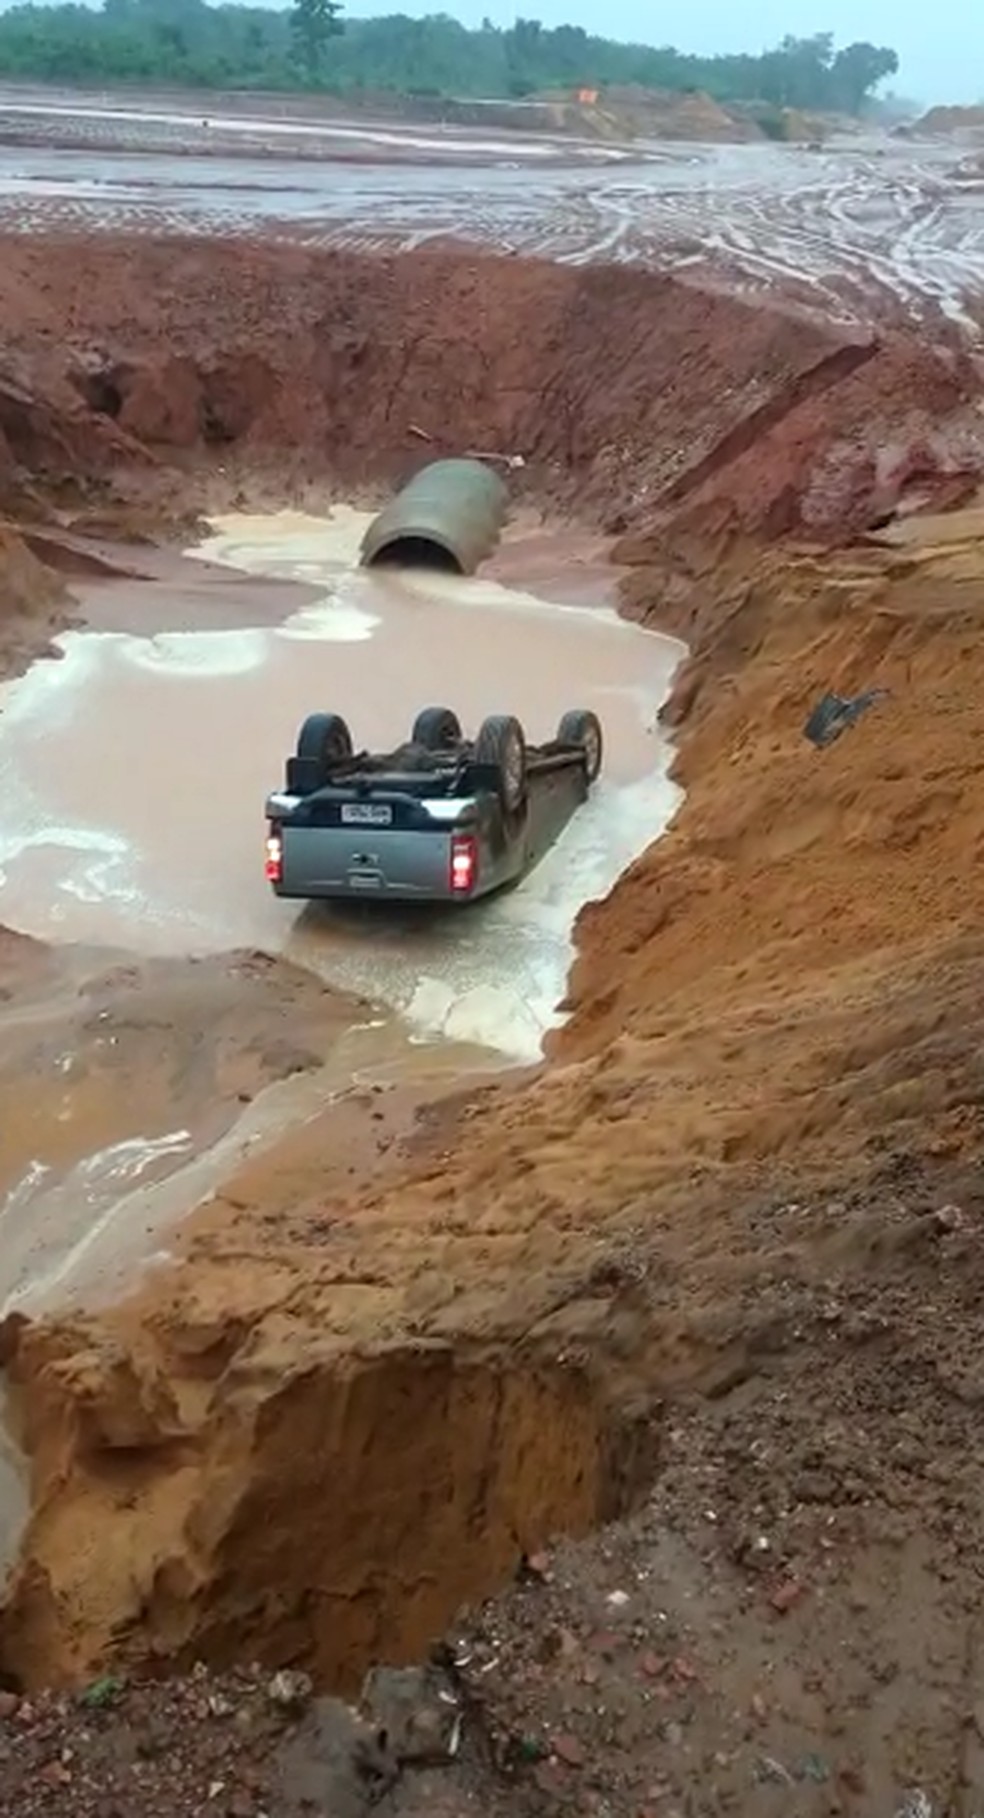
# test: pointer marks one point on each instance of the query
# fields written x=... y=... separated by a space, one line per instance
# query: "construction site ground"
x=634 y=1391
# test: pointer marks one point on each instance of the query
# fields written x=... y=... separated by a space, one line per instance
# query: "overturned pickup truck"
x=441 y=819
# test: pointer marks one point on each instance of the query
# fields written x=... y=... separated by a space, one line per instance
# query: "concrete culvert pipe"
x=450 y=517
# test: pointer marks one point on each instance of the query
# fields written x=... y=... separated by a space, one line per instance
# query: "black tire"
x=501 y=743
x=437 y=729
x=581 y=727
x=325 y=740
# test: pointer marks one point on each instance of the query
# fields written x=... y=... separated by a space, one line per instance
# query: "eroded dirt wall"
x=625 y=393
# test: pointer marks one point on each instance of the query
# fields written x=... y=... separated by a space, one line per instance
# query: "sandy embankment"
x=758 y=1116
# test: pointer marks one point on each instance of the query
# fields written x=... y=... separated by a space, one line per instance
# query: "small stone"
x=618 y=1599
x=767 y=1768
x=785 y=1596
x=152 y=1741
x=758 y=1707
x=54 y=1774
x=531 y=1748
x=684 y=1670
x=673 y=1734
x=813 y=1767
x=604 y=1644
x=556 y=1644
x=915 y=1804
x=9 y=1705
x=652 y=1665
x=289 y=1690
x=569 y=1750
x=538 y=1565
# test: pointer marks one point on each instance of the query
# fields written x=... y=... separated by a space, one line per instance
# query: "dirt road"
x=860 y=231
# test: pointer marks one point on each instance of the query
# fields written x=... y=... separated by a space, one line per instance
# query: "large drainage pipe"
x=450 y=516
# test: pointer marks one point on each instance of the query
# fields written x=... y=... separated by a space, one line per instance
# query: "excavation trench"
x=455 y=1460
x=418 y=1480
x=348 y=1409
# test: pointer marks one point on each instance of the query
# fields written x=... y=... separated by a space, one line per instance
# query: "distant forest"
x=308 y=46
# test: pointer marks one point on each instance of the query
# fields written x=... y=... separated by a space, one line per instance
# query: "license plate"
x=367 y=814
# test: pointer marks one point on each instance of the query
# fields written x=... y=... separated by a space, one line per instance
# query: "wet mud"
x=866 y=228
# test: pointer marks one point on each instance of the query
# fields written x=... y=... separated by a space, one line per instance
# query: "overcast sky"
x=941 y=44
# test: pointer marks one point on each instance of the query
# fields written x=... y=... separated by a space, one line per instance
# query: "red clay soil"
x=277 y=367
x=717 y=1265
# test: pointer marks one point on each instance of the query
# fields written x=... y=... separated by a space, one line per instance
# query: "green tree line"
x=189 y=43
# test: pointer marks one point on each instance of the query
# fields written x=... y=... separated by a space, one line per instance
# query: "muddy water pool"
x=135 y=769
x=134 y=773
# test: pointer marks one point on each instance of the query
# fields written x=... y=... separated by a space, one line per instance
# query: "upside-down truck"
x=442 y=818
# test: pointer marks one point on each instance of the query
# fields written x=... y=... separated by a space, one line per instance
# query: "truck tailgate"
x=366 y=861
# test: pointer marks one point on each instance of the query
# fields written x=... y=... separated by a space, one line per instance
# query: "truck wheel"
x=437 y=729
x=325 y=739
x=501 y=743
x=580 y=727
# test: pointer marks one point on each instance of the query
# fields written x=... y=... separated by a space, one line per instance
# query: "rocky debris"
x=181 y=1749
x=784 y=1625
x=416 y=1713
x=246 y=1744
x=333 y=1763
x=290 y=1691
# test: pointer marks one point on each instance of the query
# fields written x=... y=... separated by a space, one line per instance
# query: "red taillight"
x=464 y=863
x=274 y=856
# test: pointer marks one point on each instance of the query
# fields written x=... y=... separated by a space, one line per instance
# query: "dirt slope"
x=951 y=120
x=34 y=604
x=758 y=1131
x=274 y=368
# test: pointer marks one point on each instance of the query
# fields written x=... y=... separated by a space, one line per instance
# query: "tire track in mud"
x=880 y=232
